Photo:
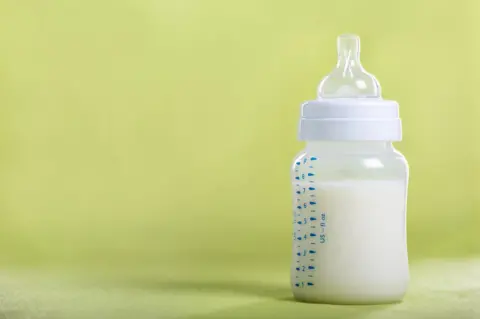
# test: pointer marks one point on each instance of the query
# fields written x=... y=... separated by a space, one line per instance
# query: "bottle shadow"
x=274 y=300
x=254 y=289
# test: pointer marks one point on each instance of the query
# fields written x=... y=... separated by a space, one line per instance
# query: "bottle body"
x=349 y=223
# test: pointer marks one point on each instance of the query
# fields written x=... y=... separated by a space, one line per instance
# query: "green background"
x=148 y=144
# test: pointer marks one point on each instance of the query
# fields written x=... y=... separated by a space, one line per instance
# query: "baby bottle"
x=349 y=191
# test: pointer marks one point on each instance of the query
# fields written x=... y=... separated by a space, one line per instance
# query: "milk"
x=349 y=241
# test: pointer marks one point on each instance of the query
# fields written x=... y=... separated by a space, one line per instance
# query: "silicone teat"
x=349 y=79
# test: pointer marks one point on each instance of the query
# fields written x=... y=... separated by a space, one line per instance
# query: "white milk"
x=350 y=236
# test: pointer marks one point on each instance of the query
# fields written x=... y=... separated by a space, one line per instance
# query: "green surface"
x=439 y=289
x=159 y=135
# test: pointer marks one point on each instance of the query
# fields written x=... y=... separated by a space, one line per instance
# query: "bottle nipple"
x=349 y=79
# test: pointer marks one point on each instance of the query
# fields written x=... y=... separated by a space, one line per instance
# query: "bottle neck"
x=350 y=147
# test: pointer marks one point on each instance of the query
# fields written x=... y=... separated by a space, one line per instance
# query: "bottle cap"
x=349 y=106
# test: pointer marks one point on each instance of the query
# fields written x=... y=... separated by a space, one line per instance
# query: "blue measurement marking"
x=306 y=227
x=304 y=160
x=298 y=163
x=313 y=158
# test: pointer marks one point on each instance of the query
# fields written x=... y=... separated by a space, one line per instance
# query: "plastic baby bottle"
x=349 y=191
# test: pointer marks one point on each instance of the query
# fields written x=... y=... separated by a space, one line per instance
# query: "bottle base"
x=349 y=300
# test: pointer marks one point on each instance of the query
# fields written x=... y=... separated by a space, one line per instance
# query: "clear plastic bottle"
x=349 y=192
